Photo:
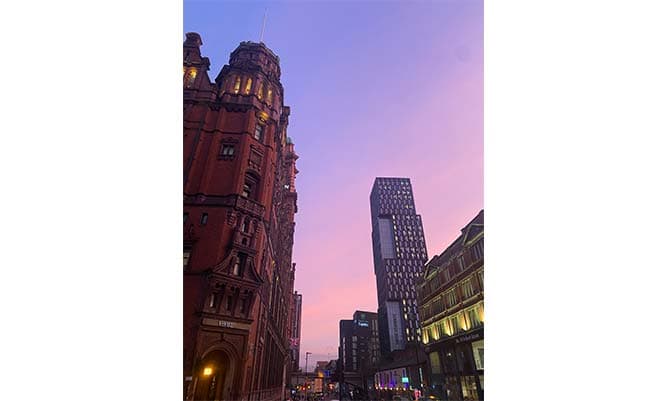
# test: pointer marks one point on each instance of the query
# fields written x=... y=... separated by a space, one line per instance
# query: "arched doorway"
x=215 y=374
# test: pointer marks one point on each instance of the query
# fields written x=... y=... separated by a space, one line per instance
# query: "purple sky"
x=377 y=88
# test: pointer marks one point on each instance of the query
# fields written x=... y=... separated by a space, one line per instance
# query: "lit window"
x=190 y=77
x=269 y=96
x=260 y=91
x=249 y=84
x=212 y=300
x=237 y=85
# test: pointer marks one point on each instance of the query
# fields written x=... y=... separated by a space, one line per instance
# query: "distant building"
x=399 y=254
x=401 y=372
x=359 y=349
x=452 y=311
x=295 y=330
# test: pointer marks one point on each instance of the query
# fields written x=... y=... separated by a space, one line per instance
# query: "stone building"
x=452 y=311
x=239 y=201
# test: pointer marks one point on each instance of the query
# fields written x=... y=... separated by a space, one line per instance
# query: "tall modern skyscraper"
x=399 y=254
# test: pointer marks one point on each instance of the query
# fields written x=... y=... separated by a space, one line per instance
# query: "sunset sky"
x=377 y=88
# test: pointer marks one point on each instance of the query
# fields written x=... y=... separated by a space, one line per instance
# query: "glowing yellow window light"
x=462 y=322
x=260 y=91
x=269 y=99
x=249 y=83
x=207 y=371
x=193 y=73
x=237 y=85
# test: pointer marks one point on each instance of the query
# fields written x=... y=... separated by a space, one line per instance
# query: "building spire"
x=264 y=21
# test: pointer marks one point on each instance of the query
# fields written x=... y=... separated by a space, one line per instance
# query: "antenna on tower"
x=264 y=21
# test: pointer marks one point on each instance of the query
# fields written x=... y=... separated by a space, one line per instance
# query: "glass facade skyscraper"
x=399 y=253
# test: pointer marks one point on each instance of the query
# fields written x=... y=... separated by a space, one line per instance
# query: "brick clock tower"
x=239 y=201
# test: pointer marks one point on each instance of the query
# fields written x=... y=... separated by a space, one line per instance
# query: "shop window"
x=469 y=388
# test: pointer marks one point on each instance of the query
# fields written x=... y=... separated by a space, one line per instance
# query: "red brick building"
x=239 y=203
